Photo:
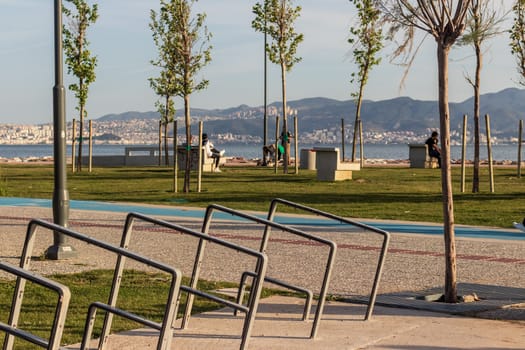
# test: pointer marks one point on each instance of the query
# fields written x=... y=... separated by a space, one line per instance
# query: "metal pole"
x=265 y=127
x=90 y=145
x=59 y=249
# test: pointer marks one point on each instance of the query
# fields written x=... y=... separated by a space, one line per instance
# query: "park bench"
x=330 y=167
x=207 y=162
x=148 y=155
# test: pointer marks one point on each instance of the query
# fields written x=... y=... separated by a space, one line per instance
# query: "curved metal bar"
x=309 y=293
x=166 y=333
x=384 y=247
x=264 y=243
x=64 y=296
x=260 y=271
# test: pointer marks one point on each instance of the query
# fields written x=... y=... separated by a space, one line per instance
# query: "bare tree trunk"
x=80 y=138
x=475 y=174
x=285 y=141
x=81 y=128
x=166 y=146
x=80 y=135
x=187 y=119
x=446 y=176
x=357 y=119
x=81 y=103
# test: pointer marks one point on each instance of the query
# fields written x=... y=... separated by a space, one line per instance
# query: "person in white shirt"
x=212 y=152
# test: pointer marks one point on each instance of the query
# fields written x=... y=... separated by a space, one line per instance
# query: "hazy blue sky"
x=122 y=41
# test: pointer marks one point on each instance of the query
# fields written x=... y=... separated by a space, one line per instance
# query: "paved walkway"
x=491 y=268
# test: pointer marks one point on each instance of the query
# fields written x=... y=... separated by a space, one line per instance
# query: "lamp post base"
x=59 y=252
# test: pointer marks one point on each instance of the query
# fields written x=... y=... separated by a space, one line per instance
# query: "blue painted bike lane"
x=393 y=227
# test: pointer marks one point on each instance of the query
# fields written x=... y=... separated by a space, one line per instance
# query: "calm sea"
x=250 y=151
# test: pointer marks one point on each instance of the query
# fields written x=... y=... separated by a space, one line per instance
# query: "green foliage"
x=483 y=22
x=276 y=18
x=183 y=45
x=366 y=39
x=517 y=37
x=164 y=88
x=79 y=60
x=166 y=110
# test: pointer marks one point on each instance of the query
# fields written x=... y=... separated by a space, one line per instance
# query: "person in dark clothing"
x=269 y=153
x=433 y=148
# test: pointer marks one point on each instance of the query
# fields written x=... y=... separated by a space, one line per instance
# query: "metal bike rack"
x=264 y=243
x=384 y=248
x=64 y=296
x=166 y=331
x=192 y=290
x=309 y=293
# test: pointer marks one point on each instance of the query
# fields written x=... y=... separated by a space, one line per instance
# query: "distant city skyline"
x=122 y=41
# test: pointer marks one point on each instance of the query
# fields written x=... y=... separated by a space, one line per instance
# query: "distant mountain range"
x=505 y=108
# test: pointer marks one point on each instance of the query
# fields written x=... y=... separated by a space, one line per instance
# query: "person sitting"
x=269 y=153
x=212 y=152
x=433 y=148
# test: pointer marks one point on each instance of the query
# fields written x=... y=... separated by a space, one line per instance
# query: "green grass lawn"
x=142 y=293
x=374 y=193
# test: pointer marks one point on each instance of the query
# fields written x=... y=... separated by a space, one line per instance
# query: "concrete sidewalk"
x=493 y=269
x=279 y=327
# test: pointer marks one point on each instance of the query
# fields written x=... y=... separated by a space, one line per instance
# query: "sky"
x=122 y=41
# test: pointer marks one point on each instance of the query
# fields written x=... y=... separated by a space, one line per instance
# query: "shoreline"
x=238 y=161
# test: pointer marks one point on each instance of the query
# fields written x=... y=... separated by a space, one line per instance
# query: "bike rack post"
x=166 y=332
x=384 y=247
x=64 y=296
x=264 y=242
x=192 y=290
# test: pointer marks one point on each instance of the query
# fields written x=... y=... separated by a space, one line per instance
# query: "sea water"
x=252 y=151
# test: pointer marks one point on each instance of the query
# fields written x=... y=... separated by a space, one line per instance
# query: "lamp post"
x=265 y=128
x=59 y=249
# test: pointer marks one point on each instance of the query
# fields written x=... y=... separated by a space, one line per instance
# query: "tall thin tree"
x=366 y=40
x=79 y=60
x=483 y=24
x=276 y=18
x=186 y=52
x=445 y=21
x=517 y=38
x=164 y=86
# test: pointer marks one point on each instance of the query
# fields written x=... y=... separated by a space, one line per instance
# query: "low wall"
x=148 y=156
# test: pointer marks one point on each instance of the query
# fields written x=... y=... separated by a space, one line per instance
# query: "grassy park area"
x=374 y=193
x=395 y=192
x=142 y=293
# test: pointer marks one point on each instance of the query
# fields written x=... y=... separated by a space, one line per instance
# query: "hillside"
x=403 y=114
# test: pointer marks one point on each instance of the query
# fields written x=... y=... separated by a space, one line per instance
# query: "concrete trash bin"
x=307 y=159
